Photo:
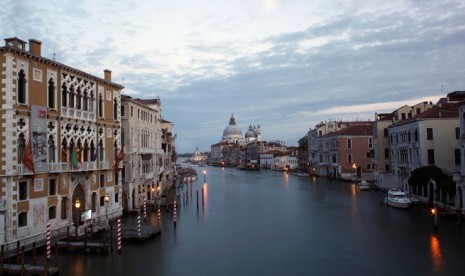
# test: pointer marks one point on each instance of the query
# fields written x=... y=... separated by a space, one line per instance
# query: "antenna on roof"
x=53 y=56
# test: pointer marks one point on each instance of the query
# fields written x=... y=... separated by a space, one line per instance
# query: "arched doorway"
x=78 y=204
x=133 y=199
x=125 y=201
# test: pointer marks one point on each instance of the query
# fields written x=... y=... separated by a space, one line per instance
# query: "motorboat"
x=397 y=198
x=364 y=185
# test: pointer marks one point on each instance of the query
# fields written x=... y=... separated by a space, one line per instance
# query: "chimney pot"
x=35 y=47
x=107 y=75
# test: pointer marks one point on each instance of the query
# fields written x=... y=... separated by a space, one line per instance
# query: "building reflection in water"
x=436 y=256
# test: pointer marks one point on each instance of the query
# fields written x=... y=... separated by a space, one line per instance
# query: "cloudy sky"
x=285 y=65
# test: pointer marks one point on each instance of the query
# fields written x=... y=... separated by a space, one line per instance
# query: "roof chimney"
x=35 y=47
x=107 y=75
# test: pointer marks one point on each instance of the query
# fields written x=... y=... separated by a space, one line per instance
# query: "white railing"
x=78 y=114
x=104 y=165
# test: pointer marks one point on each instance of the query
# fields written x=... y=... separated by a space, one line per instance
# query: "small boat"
x=364 y=185
x=302 y=174
x=397 y=198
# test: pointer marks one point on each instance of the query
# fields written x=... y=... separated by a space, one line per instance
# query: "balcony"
x=78 y=114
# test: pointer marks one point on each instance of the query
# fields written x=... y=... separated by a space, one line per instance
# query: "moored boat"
x=364 y=185
x=397 y=198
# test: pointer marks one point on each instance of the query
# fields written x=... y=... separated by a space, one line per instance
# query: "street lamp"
x=77 y=205
x=355 y=170
x=204 y=175
x=107 y=199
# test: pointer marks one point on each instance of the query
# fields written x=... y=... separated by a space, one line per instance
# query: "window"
x=368 y=166
x=102 y=180
x=52 y=187
x=387 y=168
x=386 y=153
x=22 y=219
x=115 y=109
x=21 y=87
x=349 y=159
x=51 y=93
x=122 y=110
x=386 y=133
x=23 y=190
x=368 y=154
x=52 y=212
x=51 y=150
x=132 y=113
x=457 y=133
x=403 y=116
x=457 y=156
x=21 y=148
x=64 y=95
x=100 y=105
x=64 y=207
x=94 y=202
x=429 y=134
x=116 y=197
x=349 y=143
x=431 y=157
x=102 y=201
x=370 y=143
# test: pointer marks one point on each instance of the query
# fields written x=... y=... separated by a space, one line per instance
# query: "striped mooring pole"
x=159 y=215
x=174 y=213
x=119 y=236
x=145 y=208
x=49 y=235
x=138 y=225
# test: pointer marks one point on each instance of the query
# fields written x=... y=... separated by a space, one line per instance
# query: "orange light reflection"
x=436 y=255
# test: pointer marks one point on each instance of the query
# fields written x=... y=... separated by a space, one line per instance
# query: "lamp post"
x=355 y=171
x=204 y=176
x=107 y=199
x=77 y=205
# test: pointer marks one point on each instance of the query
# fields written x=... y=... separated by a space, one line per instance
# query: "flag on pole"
x=28 y=159
x=74 y=158
x=118 y=159
x=94 y=154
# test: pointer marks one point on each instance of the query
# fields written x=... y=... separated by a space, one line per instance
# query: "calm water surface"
x=271 y=223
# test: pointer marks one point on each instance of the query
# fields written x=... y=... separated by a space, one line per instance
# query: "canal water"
x=272 y=223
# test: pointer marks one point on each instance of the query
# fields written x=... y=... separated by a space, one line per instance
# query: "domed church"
x=232 y=133
x=253 y=134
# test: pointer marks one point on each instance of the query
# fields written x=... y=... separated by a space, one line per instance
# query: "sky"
x=283 y=65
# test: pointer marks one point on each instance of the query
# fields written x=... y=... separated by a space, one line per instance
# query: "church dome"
x=232 y=132
x=250 y=133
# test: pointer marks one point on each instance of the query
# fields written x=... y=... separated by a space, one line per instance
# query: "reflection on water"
x=436 y=256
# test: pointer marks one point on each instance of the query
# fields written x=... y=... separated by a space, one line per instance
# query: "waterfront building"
x=167 y=173
x=314 y=146
x=142 y=137
x=381 y=157
x=235 y=149
x=459 y=179
x=429 y=138
x=61 y=146
x=346 y=153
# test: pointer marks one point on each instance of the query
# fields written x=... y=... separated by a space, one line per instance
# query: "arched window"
x=51 y=93
x=115 y=146
x=91 y=102
x=122 y=136
x=115 y=109
x=100 y=150
x=51 y=149
x=64 y=151
x=21 y=87
x=64 y=208
x=21 y=148
x=100 y=105
x=85 y=102
x=64 y=95
x=78 y=99
x=86 y=152
x=71 y=97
